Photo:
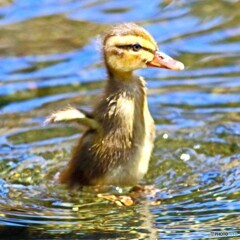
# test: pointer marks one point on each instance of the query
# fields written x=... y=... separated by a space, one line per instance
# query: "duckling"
x=116 y=147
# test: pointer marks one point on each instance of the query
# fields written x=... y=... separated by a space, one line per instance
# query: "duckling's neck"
x=121 y=81
x=114 y=75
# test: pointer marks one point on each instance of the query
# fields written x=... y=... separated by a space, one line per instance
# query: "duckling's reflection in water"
x=116 y=147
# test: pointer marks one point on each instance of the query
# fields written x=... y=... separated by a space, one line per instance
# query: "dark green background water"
x=50 y=57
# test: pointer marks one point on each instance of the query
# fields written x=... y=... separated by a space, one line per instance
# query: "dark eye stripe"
x=148 y=49
x=130 y=46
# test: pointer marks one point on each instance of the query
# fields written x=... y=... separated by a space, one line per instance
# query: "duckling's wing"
x=71 y=114
x=87 y=113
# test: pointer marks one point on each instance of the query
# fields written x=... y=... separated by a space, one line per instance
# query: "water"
x=49 y=58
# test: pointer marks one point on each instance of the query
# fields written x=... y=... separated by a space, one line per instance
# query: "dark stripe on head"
x=130 y=46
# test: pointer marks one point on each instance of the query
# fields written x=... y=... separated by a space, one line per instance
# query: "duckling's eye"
x=136 y=47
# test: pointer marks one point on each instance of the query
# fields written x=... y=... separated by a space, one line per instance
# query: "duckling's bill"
x=162 y=60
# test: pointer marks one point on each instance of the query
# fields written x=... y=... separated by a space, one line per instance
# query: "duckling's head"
x=128 y=47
